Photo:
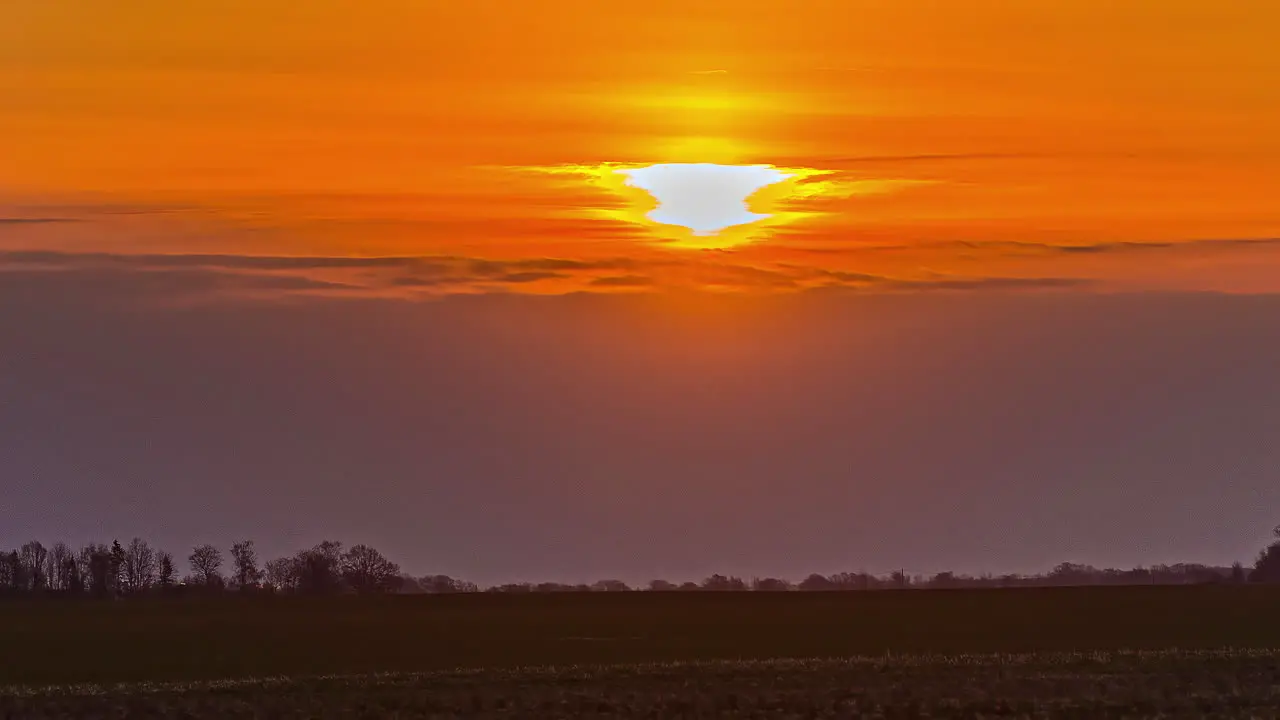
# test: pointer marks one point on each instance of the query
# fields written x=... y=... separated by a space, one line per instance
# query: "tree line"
x=116 y=570
x=137 y=568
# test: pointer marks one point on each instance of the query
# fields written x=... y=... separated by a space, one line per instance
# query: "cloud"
x=841 y=163
x=622 y=281
x=1007 y=248
x=992 y=283
x=1105 y=247
x=109 y=287
x=529 y=276
x=1229 y=244
x=36 y=220
x=232 y=262
x=493 y=268
x=211 y=277
x=929 y=157
x=206 y=275
x=411 y=281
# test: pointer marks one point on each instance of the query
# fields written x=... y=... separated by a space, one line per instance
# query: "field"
x=1078 y=652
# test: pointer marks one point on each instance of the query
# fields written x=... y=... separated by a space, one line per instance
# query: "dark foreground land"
x=1236 y=684
x=1072 y=652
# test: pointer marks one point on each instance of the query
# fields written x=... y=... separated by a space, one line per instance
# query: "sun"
x=706 y=205
x=700 y=204
x=706 y=198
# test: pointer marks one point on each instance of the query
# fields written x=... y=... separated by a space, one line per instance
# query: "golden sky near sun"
x=959 y=141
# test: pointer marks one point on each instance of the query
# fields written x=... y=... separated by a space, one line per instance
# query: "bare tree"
x=33 y=557
x=722 y=583
x=75 y=578
x=50 y=571
x=139 y=572
x=320 y=568
x=439 y=584
x=117 y=559
x=166 y=574
x=366 y=571
x=1238 y=574
x=245 y=559
x=13 y=571
x=61 y=569
x=206 y=561
x=817 y=581
x=770 y=584
x=610 y=586
x=98 y=561
x=282 y=574
x=82 y=563
x=443 y=584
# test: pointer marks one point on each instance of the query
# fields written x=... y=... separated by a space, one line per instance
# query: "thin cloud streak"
x=213 y=276
x=780 y=267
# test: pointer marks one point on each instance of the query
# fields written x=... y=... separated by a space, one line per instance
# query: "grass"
x=61 y=643
x=1235 y=684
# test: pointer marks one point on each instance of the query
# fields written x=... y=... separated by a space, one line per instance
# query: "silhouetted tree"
x=444 y=584
x=850 y=581
x=409 y=585
x=139 y=567
x=60 y=569
x=74 y=579
x=34 y=556
x=770 y=584
x=365 y=570
x=661 y=586
x=245 y=559
x=610 y=586
x=816 y=582
x=100 y=582
x=14 y=575
x=116 y=567
x=943 y=580
x=166 y=573
x=282 y=574
x=206 y=562
x=512 y=588
x=439 y=584
x=723 y=583
x=319 y=569
x=1267 y=567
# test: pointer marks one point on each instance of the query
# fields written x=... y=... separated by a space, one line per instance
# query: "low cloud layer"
x=192 y=277
x=972 y=267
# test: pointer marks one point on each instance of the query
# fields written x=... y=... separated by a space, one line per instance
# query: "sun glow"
x=701 y=205
x=704 y=197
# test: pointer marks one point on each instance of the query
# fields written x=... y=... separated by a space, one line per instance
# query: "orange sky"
x=965 y=144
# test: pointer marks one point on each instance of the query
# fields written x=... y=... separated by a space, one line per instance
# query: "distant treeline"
x=136 y=568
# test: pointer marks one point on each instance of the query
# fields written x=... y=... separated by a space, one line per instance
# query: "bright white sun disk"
x=704 y=197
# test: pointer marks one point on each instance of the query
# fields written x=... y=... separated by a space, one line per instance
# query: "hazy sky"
x=301 y=270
